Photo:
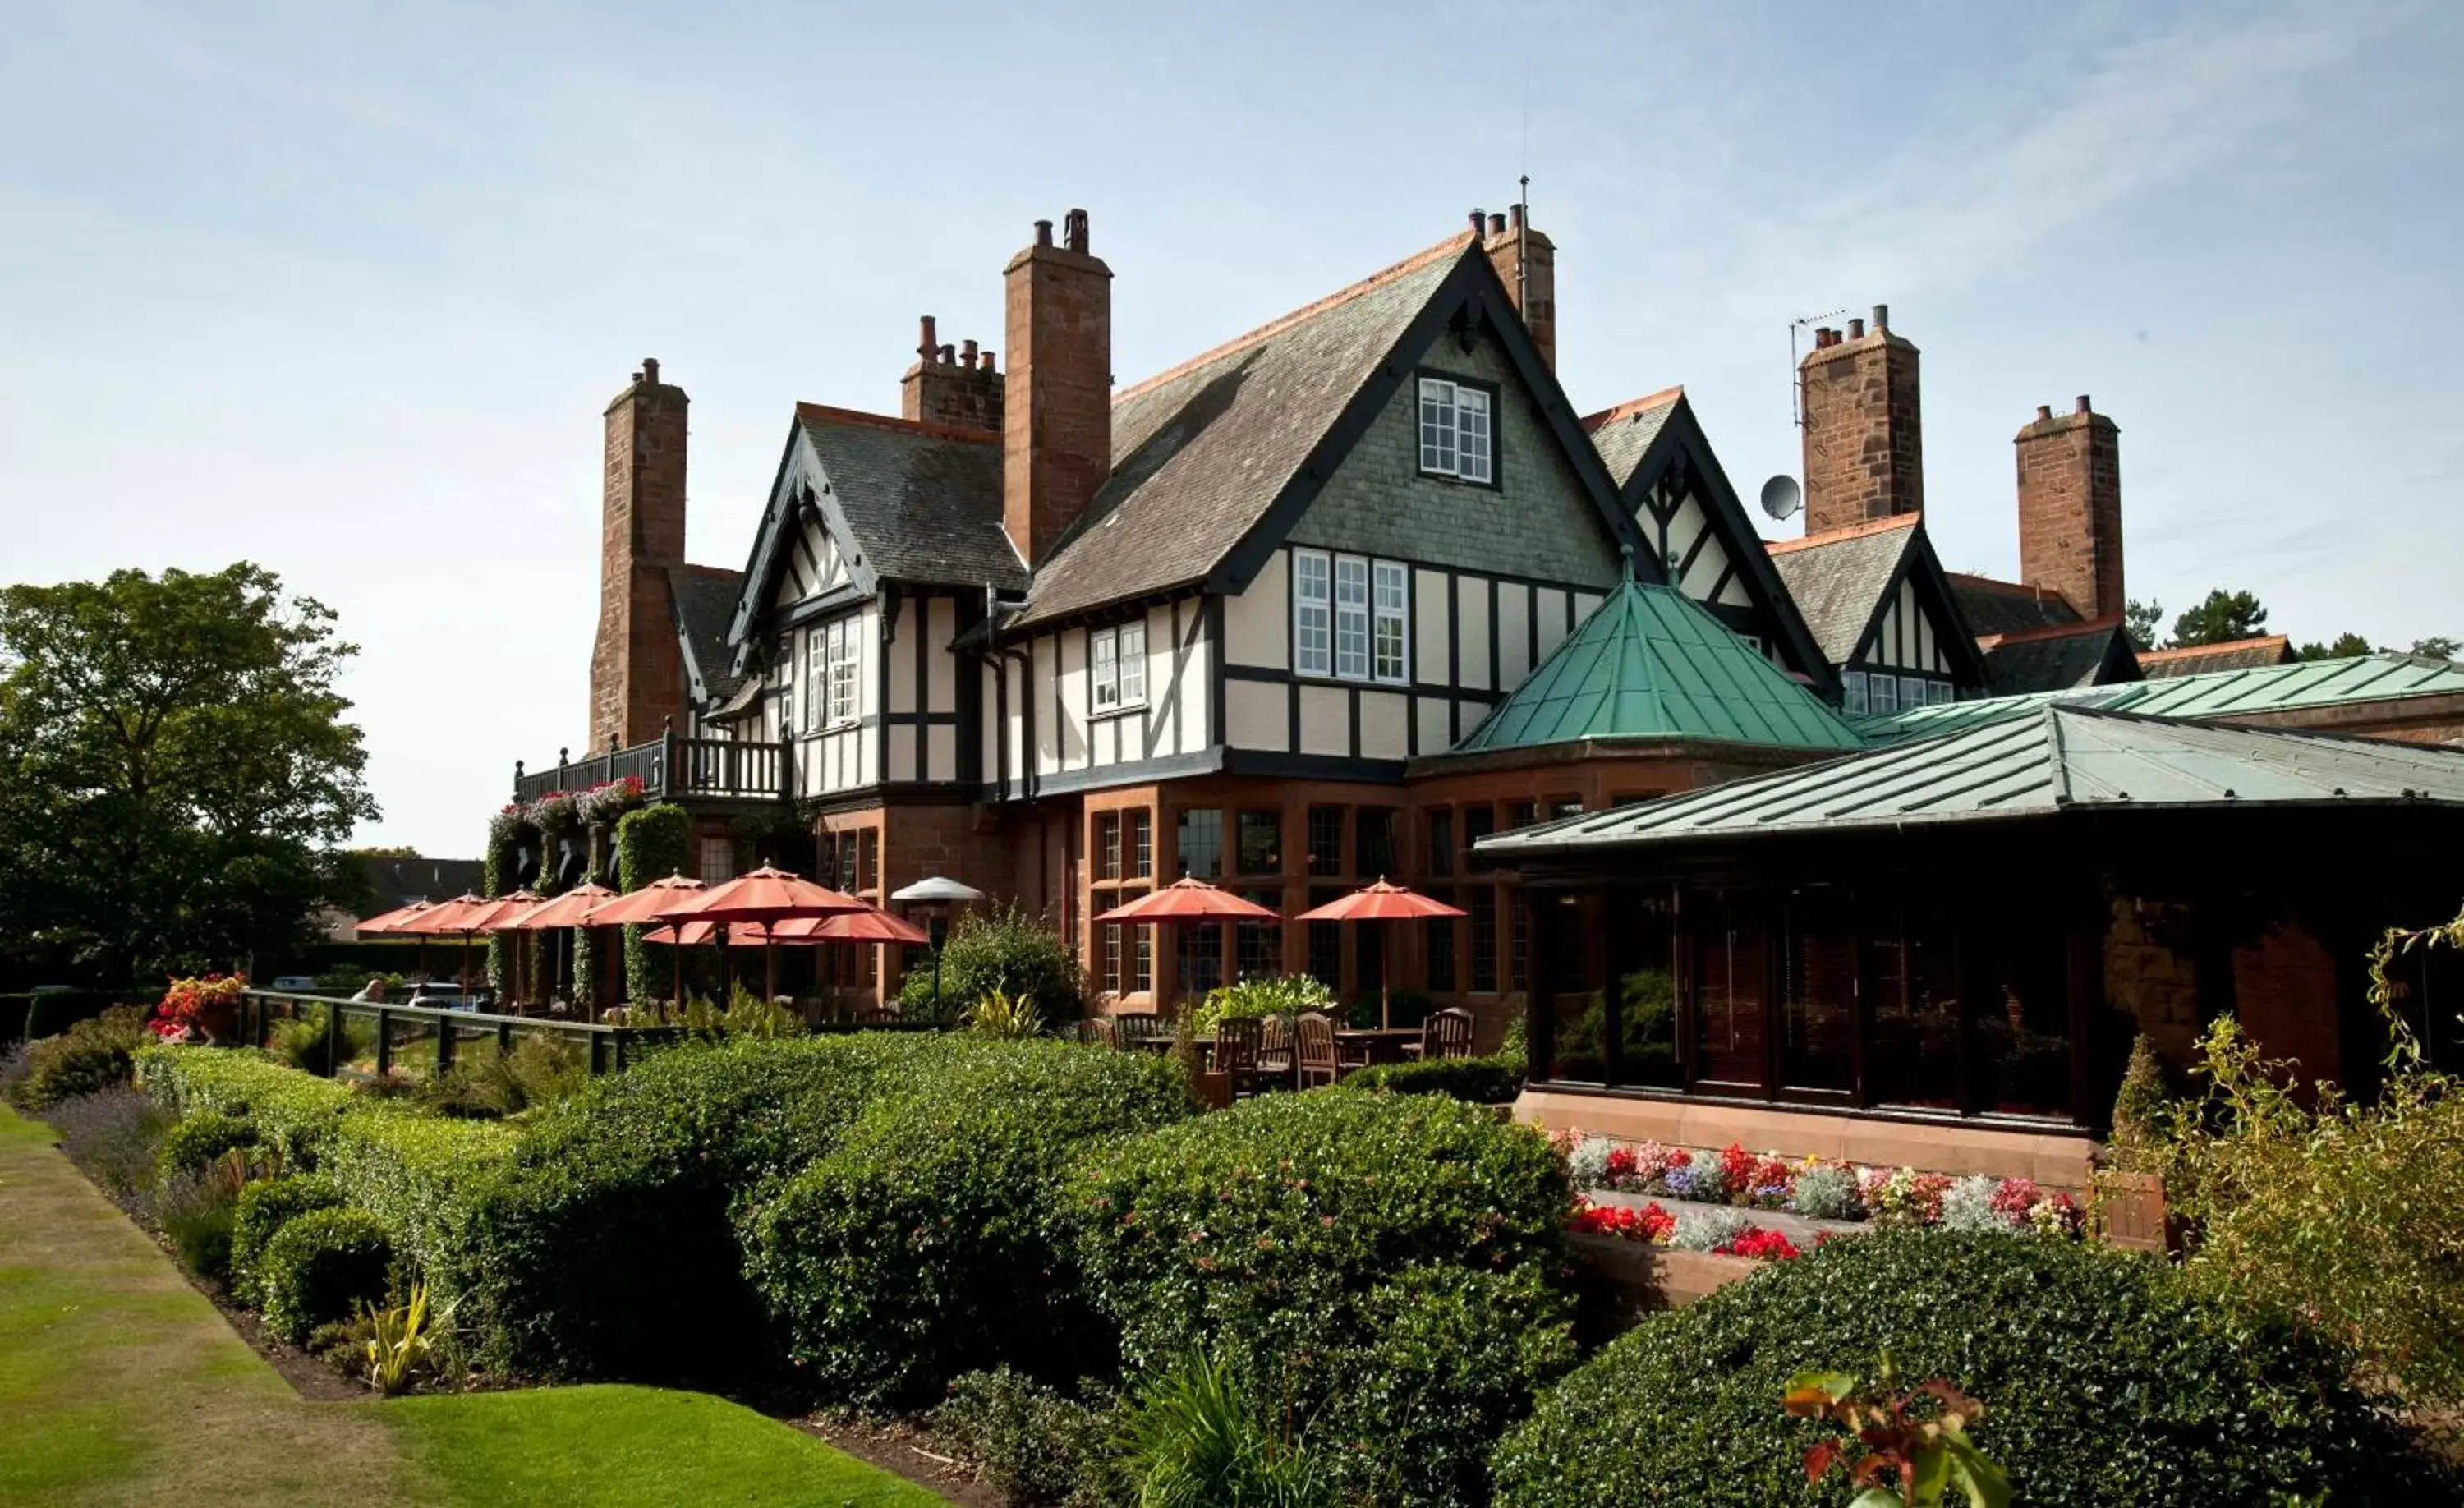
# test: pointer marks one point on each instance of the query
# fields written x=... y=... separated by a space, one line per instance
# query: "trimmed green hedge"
x=197 y=1139
x=1390 y=1264
x=265 y=1208
x=428 y=1180
x=2101 y=1380
x=293 y=1111
x=319 y=1267
x=935 y=1239
x=1475 y=1081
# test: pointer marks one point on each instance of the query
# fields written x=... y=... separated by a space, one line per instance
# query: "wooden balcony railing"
x=672 y=766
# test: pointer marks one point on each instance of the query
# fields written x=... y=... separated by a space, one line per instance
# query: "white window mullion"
x=1471 y=434
x=1103 y=668
x=1389 y=649
x=1351 y=617
x=1134 y=665
x=1312 y=620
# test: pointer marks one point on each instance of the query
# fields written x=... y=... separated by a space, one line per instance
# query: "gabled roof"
x=2224 y=693
x=1646 y=440
x=2240 y=654
x=1840 y=579
x=703 y=599
x=1623 y=434
x=2058 y=758
x=1214 y=459
x=922 y=502
x=2060 y=658
x=1650 y=664
x=1995 y=607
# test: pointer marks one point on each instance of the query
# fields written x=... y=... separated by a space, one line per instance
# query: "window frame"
x=1322 y=604
x=1445 y=463
x=842 y=704
x=1322 y=617
x=1116 y=656
x=1852 y=693
x=1380 y=615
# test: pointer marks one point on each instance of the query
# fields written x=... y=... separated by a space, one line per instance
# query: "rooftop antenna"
x=1523 y=225
x=1795 y=380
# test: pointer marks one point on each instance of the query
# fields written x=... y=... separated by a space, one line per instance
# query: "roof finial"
x=1625 y=551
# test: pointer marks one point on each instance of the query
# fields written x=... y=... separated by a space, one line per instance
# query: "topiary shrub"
x=90 y=1056
x=319 y=1267
x=296 y=1113
x=1018 y=954
x=2103 y=1382
x=610 y=1248
x=935 y=1239
x=651 y=843
x=265 y=1208
x=1475 y=1081
x=1035 y=1445
x=1322 y=1247
x=197 y=1140
x=426 y=1180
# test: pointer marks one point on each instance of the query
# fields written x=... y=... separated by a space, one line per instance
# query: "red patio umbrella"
x=1190 y=899
x=562 y=912
x=646 y=905
x=1380 y=903
x=466 y=915
x=768 y=896
x=384 y=922
x=867 y=926
x=694 y=934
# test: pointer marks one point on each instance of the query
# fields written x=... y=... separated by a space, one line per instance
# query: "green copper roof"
x=2218 y=693
x=1648 y=663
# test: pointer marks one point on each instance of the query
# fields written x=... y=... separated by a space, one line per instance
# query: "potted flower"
x=204 y=1009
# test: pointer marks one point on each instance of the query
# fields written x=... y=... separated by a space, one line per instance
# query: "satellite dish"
x=1781 y=499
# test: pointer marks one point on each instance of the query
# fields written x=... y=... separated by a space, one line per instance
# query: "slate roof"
x=1623 y=433
x=2241 y=654
x=1837 y=578
x=1995 y=607
x=1202 y=451
x=923 y=502
x=1650 y=664
x=2058 y=758
x=2223 y=693
x=2056 y=659
x=704 y=603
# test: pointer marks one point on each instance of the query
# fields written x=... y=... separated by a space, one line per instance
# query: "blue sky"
x=343 y=288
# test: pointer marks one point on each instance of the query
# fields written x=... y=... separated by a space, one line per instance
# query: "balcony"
x=674 y=768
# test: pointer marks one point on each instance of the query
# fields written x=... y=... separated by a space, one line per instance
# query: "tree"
x=2138 y=619
x=2438 y=646
x=2222 y=619
x=2343 y=647
x=175 y=771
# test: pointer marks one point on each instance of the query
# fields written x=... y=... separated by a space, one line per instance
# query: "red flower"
x=1771 y=1246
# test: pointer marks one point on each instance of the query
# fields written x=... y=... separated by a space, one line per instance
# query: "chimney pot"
x=650 y=372
x=1497 y=225
x=1044 y=233
x=1073 y=229
x=966 y=352
x=2082 y=403
x=984 y=360
x=949 y=356
x=1516 y=213
x=1882 y=317
x=1479 y=223
x=637 y=375
x=2044 y=412
x=1855 y=329
x=927 y=340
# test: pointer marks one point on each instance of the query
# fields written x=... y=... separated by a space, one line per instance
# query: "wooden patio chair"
x=1275 y=1048
x=1130 y=1028
x=1236 y=1041
x=875 y=1015
x=1445 y=1033
x=1098 y=1031
x=1313 y=1054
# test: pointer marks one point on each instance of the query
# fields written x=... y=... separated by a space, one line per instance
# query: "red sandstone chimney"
x=637 y=673
x=1527 y=264
x=1864 y=447
x=960 y=394
x=1057 y=412
x=2070 y=508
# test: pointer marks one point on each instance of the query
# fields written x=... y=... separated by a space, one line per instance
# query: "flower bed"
x=1821 y=1190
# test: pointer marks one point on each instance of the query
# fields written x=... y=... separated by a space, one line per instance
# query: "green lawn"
x=119 y=1384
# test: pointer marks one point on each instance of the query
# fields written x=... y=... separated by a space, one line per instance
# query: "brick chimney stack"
x=2070 y=508
x=1057 y=410
x=637 y=672
x=1864 y=445
x=958 y=392
x=1535 y=291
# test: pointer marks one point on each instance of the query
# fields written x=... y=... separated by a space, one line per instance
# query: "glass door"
x=1731 y=1040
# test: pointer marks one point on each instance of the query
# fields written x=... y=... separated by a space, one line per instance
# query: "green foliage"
x=2342 y=647
x=651 y=843
x=2109 y=1384
x=175 y=770
x=488 y=1083
x=113 y=1135
x=428 y=1180
x=1287 y=995
x=1033 y=1444
x=196 y=1211
x=1476 y=1081
x=935 y=1239
x=320 y=1266
x=300 y=1040
x=2436 y=646
x=2346 y=1217
x=1388 y=1260
x=196 y=1140
x=2139 y=1107
x=89 y=1058
x=264 y=1209
x=1920 y=1437
x=2141 y=621
x=2222 y=619
x=610 y=1250
x=399 y=1341
x=1018 y=954
x=1197 y=1440
x=1002 y=1014
x=295 y=1114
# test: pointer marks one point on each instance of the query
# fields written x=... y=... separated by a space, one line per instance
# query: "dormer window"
x=1457 y=437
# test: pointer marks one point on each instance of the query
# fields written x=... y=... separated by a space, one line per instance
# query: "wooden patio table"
x=1376 y=1043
